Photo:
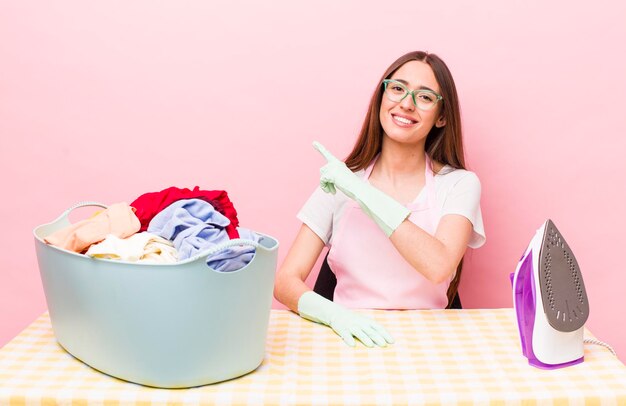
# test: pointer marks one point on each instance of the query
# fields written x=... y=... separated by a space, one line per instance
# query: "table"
x=456 y=357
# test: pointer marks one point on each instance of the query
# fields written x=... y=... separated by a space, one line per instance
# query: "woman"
x=405 y=212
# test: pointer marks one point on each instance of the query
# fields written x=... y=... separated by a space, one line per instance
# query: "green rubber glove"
x=347 y=324
x=380 y=207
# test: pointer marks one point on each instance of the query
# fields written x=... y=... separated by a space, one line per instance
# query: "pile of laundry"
x=162 y=228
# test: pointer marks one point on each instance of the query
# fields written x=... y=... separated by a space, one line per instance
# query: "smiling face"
x=403 y=121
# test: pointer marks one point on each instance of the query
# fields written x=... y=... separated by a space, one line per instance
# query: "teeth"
x=403 y=120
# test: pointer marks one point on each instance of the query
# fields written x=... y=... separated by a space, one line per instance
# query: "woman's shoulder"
x=361 y=173
x=446 y=174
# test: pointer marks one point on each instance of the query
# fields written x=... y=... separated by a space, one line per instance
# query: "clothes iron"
x=550 y=301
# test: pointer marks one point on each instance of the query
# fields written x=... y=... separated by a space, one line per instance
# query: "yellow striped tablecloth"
x=452 y=357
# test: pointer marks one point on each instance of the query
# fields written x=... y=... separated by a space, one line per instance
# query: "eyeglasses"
x=423 y=99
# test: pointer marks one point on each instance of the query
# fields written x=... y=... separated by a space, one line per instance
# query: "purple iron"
x=550 y=301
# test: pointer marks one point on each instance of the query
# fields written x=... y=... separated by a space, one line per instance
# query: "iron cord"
x=602 y=343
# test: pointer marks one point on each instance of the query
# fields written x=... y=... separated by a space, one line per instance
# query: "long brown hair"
x=443 y=144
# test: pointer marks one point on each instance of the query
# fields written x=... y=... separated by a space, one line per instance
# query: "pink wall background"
x=108 y=100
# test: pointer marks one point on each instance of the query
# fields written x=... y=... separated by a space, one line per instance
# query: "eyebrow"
x=404 y=82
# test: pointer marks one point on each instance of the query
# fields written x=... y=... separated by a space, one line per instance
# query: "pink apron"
x=370 y=272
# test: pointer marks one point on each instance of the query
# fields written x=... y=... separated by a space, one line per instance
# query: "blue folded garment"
x=234 y=258
x=193 y=225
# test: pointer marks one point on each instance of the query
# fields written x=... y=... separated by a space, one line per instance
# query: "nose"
x=407 y=103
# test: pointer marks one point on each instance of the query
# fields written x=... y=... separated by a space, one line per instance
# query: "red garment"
x=149 y=205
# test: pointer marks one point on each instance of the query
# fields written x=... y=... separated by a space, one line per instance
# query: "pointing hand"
x=380 y=207
x=335 y=174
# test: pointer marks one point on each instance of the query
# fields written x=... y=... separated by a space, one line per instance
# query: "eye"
x=396 y=88
x=426 y=97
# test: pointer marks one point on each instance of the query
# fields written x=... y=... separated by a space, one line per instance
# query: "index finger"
x=325 y=153
x=381 y=330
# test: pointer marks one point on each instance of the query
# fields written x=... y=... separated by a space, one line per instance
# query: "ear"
x=441 y=121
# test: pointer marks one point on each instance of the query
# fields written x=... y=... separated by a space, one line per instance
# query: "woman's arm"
x=436 y=257
x=296 y=268
x=291 y=290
